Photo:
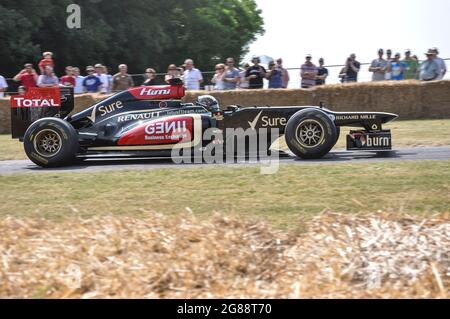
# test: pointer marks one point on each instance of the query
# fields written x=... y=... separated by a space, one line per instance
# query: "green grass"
x=405 y=134
x=284 y=199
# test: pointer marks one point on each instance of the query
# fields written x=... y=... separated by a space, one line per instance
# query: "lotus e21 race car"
x=152 y=121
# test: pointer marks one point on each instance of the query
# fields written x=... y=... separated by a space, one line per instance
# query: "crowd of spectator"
x=228 y=77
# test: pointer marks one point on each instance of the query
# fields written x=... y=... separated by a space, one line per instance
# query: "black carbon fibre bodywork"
x=101 y=127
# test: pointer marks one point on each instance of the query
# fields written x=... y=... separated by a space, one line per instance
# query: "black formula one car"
x=153 y=121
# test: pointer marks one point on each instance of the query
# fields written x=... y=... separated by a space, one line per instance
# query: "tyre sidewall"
x=330 y=134
x=69 y=142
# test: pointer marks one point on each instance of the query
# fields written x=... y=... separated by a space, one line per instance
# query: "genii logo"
x=167 y=127
x=163 y=131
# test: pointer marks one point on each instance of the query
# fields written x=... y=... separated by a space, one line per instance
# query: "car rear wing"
x=38 y=103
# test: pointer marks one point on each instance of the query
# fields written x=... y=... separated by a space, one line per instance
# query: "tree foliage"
x=140 y=33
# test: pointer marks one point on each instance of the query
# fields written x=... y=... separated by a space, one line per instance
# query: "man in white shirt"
x=3 y=86
x=78 y=89
x=192 y=77
x=100 y=73
x=441 y=63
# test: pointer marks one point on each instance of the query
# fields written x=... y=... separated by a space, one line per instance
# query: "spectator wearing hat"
x=28 y=76
x=284 y=73
x=48 y=79
x=441 y=63
x=378 y=67
x=69 y=79
x=3 y=86
x=173 y=72
x=308 y=73
x=397 y=68
x=322 y=73
x=255 y=74
x=100 y=73
x=78 y=81
x=411 y=66
x=47 y=60
x=192 y=77
x=150 y=77
x=91 y=83
x=231 y=78
x=274 y=76
x=122 y=81
x=430 y=69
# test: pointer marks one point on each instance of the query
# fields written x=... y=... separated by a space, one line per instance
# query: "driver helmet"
x=209 y=102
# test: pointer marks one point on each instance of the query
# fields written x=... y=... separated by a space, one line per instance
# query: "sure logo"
x=106 y=109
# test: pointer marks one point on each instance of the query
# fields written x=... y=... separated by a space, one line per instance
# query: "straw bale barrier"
x=340 y=256
x=409 y=99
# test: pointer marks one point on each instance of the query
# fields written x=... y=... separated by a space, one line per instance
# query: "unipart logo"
x=154 y=92
x=166 y=127
x=23 y=102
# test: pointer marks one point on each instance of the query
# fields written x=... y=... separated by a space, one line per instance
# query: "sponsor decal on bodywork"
x=37 y=97
x=267 y=121
x=150 y=114
x=160 y=92
x=355 y=117
x=364 y=140
x=163 y=131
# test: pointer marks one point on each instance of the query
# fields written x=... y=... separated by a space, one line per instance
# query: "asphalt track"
x=95 y=165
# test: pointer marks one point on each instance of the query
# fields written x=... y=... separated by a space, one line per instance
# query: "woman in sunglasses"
x=218 y=79
x=150 y=77
x=172 y=73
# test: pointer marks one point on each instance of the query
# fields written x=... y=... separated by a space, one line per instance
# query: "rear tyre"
x=311 y=134
x=51 y=142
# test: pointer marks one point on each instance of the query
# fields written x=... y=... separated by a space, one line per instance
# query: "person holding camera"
x=28 y=76
x=255 y=74
x=350 y=71
x=275 y=76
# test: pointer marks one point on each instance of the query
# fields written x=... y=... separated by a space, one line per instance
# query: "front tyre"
x=311 y=134
x=51 y=142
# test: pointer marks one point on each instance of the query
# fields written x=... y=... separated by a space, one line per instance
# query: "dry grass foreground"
x=341 y=256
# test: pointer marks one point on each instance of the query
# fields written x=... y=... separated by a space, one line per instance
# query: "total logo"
x=166 y=127
x=22 y=102
x=267 y=121
x=153 y=92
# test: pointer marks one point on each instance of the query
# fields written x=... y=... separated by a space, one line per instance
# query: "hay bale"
x=5 y=116
x=341 y=256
